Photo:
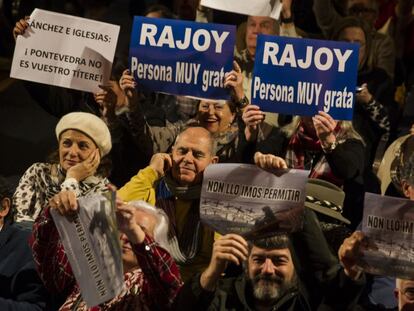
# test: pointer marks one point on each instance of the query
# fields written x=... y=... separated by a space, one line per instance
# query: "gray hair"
x=161 y=229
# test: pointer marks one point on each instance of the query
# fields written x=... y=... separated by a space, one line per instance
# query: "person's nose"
x=268 y=267
x=257 y=29
x=73 y=150
x=123 y=237
x=188 y=157
x=211 y=109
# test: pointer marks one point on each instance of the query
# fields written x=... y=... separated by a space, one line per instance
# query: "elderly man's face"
x=191 y=155
x=405 y=295
x=271 y=273
x=258 y=25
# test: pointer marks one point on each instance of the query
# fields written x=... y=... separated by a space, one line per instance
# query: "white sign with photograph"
x=244 y=199
x=92 y=245
x=388 y=224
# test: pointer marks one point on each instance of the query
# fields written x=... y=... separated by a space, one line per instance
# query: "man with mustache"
x=172 y=182
x=296 y=272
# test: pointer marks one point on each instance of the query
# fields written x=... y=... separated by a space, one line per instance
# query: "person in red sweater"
x=151 y=278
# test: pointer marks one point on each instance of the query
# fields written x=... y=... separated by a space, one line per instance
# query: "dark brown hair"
x=6 y=192
x=353 y=21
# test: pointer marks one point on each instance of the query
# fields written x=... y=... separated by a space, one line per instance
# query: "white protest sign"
x=388 y=224
x=92 y=245
x=270 y=8
x=64 y=50
x=244 y=199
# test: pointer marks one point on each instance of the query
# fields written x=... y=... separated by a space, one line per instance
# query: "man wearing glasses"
x=404 y=292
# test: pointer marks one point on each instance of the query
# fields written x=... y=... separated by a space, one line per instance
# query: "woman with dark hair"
x=375 y=110
x=80 y=165
x=159 y=11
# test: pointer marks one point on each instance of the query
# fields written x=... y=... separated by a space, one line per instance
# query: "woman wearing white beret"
x=79 y=165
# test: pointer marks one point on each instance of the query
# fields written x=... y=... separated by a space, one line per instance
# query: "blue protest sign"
x=303 y=76
x=181 y=57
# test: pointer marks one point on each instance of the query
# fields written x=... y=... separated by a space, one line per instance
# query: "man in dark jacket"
x=20 y=286
x=272 y=279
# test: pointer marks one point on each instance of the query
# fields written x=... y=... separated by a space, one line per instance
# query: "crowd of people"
x=155 y=147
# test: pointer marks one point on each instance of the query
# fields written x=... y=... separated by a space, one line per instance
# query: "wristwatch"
x=331 y=147
x=286 y=20
x=242 y=102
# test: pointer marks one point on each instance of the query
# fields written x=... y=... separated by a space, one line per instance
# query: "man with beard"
x=273 y=279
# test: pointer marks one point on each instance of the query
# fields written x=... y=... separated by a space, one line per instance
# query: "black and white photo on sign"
x=244 y=199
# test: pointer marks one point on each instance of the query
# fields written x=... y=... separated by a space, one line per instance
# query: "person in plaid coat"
x=151 y=278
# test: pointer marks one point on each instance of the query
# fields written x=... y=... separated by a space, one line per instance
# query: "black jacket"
x=20 y=286
x=322 y=284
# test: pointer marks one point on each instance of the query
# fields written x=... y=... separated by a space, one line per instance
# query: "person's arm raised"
x=252 y=117
x=234 y=80
x=228 y=248
x=349 y=252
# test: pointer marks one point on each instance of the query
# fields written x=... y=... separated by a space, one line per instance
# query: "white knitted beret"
x=88 y=124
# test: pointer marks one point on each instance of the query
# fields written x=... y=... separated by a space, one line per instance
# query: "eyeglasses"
x=408 y=293
x=206 y=106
